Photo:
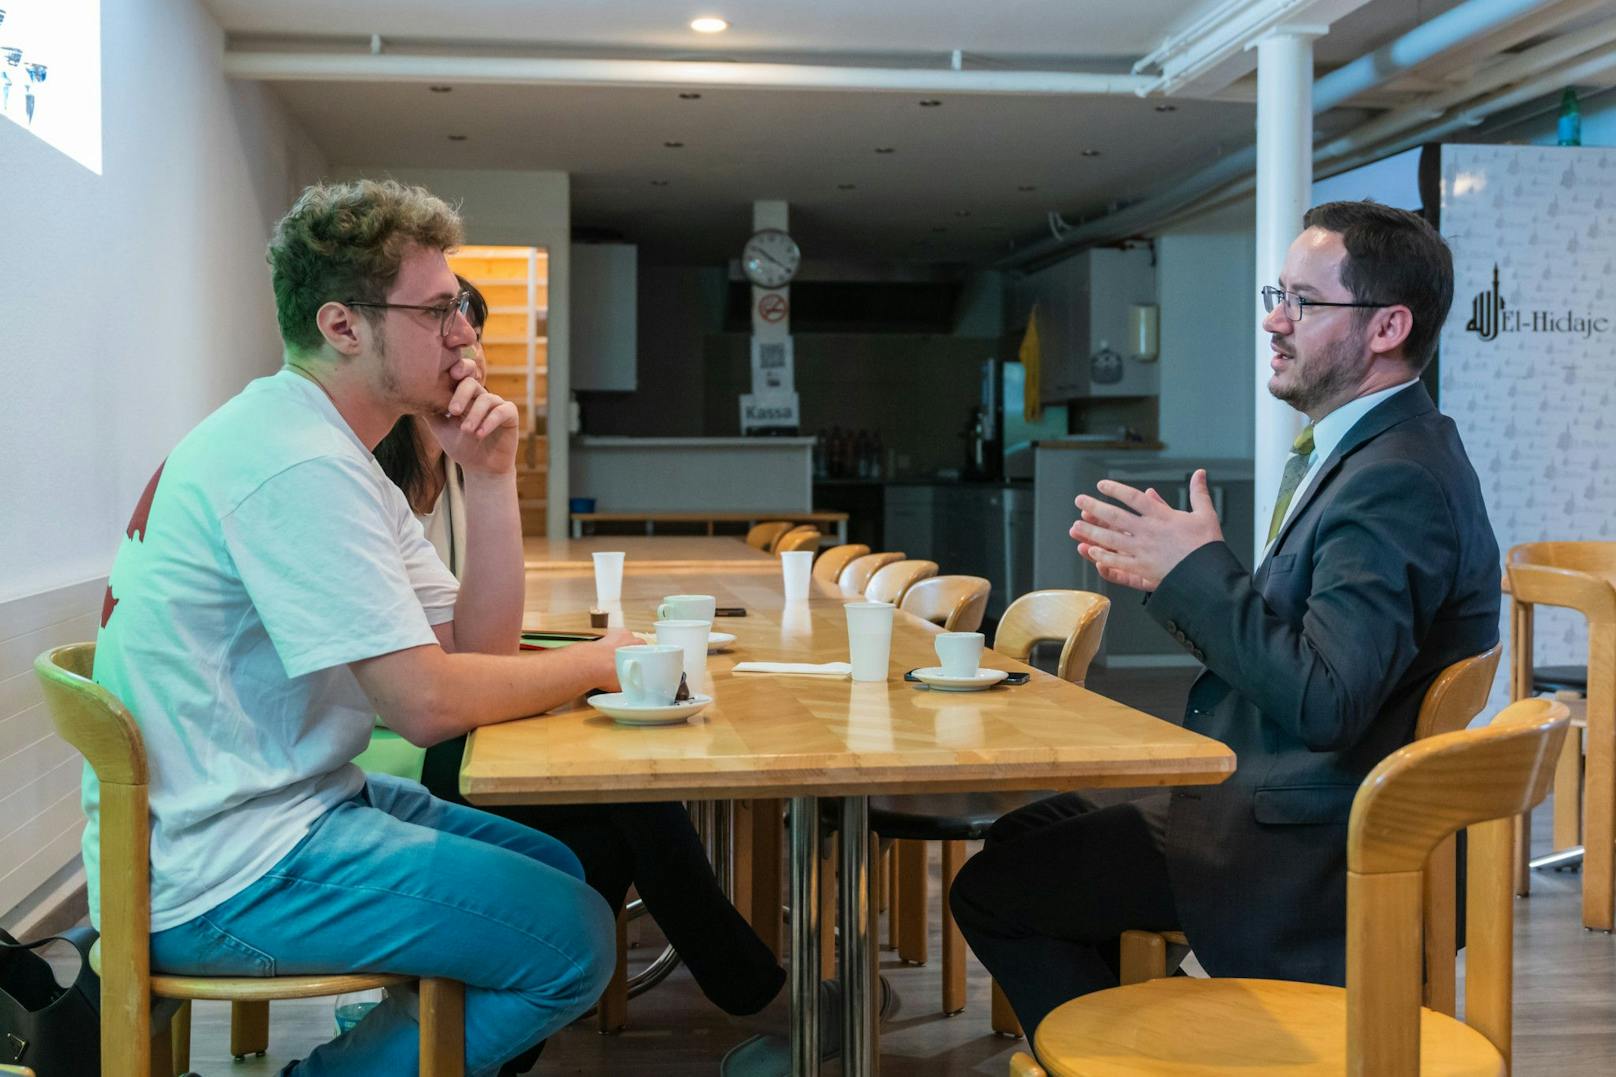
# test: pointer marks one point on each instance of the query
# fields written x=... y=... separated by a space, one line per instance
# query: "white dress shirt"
x=1327 y=434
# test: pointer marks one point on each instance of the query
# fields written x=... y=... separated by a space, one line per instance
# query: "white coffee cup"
x=649 y=673
x=691 y=637
x=795 y=568
x=608 y=577
x=869 y=639
x=959 y=652
x=686 y=608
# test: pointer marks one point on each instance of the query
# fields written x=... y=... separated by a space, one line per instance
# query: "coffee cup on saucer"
x=649 y=673
x=960 y=653
x=686 y=608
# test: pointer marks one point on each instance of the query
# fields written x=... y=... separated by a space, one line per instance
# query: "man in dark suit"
x=1381 y=569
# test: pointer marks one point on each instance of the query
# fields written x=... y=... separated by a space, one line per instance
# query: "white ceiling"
x=950 y=191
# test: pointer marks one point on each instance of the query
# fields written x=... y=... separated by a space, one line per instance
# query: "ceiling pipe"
x=548 y=71
x=1548 y=57
x=1424 y=43
x=1237 y=170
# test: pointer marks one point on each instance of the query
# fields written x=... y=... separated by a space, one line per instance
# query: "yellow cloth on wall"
x=1032 y=407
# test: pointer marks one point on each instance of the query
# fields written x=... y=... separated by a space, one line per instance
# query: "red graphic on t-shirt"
x=137 y=523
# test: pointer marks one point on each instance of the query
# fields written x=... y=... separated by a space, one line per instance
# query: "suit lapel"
x=1397 y=408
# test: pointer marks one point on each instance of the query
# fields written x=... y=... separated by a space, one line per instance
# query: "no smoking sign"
x=772 y=308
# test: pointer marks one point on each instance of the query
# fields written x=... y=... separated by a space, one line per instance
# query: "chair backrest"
x=958 y=603
x=1458 y=694
x=1076 y=618
x=830 y=563
x=891 y=582
x=799 y=539
x=856 y=576
x=92 y=719
x=794 y=529
x=1417 y=796
x=764 y=535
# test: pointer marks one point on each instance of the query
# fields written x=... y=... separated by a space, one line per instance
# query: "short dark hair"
x=1393 y=256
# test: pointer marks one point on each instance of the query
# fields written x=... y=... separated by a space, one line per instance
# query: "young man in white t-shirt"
x=274 y=592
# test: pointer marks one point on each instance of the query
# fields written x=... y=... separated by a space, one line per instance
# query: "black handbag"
x=54 y=1030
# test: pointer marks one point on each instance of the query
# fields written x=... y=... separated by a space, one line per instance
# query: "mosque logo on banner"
x=1491 y=314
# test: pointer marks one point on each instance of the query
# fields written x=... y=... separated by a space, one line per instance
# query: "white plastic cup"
x=692 y=637
x=796 y=566
x=608 y=577
x=959 y=652
x=649 y=673
x=869 y=639
x=686 y=608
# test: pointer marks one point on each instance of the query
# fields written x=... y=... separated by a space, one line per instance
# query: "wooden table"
x=652 y=517
x=661 y=553
x=810 y=737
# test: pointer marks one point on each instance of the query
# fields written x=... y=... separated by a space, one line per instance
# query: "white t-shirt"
x=268 y=552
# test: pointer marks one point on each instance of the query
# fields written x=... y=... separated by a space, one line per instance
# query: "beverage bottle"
x=1569 y=127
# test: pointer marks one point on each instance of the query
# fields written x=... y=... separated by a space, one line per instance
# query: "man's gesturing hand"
x=1137 y=548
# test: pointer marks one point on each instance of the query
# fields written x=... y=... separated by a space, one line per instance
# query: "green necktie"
x=1295 y=468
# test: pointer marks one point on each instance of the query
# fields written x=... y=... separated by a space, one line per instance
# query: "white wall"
x=133 y=302
x=131 y=305
x=527 y=209
x=1204 y=273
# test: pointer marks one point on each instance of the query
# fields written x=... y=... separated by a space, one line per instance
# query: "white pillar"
x=1284 y=188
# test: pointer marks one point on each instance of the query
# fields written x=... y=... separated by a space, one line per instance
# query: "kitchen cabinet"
x=1082 y=306
x=605 y=306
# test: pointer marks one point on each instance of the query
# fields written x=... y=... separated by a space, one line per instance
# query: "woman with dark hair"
x=653 y=847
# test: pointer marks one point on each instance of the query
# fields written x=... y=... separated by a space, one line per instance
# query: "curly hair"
x=346 y=241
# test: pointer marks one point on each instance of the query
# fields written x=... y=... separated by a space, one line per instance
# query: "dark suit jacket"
x=1386 y=573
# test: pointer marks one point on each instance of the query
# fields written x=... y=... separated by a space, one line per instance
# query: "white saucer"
x=934 y=677
x=718 y=641
x=616 y=706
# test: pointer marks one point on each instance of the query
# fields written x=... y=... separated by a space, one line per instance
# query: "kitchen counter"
x=627 y=474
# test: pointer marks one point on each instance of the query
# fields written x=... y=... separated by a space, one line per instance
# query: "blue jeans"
x=395 y=880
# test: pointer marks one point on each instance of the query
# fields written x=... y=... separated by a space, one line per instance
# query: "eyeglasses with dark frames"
x=1295 y=305
x=460 y=304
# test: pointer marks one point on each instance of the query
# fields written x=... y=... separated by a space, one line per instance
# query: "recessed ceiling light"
x=709 y=24
x=962 y=213
x=457 y=138
x=845 y=186
x=886 y=149
x=930 y=102
x=1166 y=108
x=689 y=96
x=441 y=89
x=1091 y=153
x=659 y=183
x=939 y=228
x=673 y=145
x=1027 y=187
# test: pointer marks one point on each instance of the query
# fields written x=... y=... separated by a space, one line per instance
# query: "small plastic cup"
x=869 y=639
x=608 y=577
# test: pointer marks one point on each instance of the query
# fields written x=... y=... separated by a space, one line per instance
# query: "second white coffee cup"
x=686 y=608
x=959 y=652
x=649 y=673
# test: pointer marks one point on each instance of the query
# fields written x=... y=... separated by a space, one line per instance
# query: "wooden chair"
x=92 y=720
x=1578 y=576
x=830 y=563
x=1077 y=620
x=1416 y=798
x=957 y=603
x=856 y=576
x=799 y=539
x=1456 y=696
x=891 y=582
x=794 y=529
x=764 y=535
